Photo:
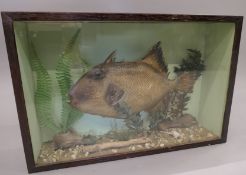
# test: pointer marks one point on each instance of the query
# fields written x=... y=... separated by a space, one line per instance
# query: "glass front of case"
x=95 y=89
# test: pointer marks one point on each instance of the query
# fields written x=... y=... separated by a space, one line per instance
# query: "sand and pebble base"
x=156 y=140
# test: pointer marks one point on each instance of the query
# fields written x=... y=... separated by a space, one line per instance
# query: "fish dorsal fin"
x=155 y=58
x=110 y=58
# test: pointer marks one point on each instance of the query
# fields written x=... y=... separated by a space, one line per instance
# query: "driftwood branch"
x=111 y=145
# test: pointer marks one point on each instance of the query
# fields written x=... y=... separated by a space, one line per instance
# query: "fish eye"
x=96 y=74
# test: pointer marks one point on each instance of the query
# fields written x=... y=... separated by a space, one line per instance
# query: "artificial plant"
x=193 y=65
x=64 y=79
x=134 y=123
x=43 y=94
x=175 y=102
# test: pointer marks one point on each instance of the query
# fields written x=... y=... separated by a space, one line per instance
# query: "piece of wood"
x=111 y=145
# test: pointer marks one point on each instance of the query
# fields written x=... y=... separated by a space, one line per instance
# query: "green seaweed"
x=194 y=65
x=43 y=92
x=120 y=134
x=85 y=64
x=161 y=111
x=64 y=79
x=175 y=102
x=192 y=62
x=134 y=123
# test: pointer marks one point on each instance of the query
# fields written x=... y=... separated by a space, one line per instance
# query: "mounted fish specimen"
x=123 y=89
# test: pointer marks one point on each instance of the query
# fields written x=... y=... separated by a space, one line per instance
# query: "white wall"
x=12 y=157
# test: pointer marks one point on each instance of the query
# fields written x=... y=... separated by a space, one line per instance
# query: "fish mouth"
x=73 y=102
x=75 y=99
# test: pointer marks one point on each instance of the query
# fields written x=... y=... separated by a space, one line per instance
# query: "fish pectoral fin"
x=113 y=94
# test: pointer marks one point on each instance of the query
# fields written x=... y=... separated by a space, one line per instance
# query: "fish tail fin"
x=186 y=81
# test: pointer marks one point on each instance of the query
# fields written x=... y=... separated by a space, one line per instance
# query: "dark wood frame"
x=9 y=17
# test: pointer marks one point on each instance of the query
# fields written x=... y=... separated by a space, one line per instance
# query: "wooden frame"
x=9 y=17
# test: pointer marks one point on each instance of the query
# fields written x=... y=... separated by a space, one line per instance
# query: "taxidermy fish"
x=120 y=89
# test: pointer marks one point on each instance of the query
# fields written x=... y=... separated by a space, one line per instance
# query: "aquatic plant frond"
x=85 y=65
x=64 y=79
x=43 y=93
x=175 y=102
x=193 y=62
x=70 y=45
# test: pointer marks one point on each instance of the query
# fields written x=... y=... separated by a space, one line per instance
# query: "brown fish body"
x=143 y=86
x=139 y=85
